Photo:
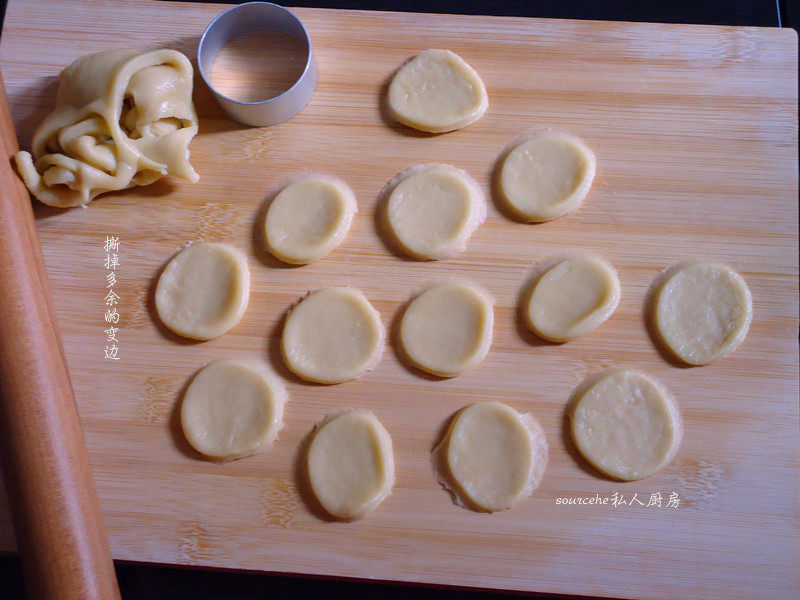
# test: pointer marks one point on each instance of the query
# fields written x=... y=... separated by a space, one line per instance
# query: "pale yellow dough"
x=626 y=425
x=573 y=298
x=448 y=328
x=493 y=456
x=547 y=176
x=433 y=210
x=332 y=336
x=351 y=465
x=121 y=119
x=437 y=91
x=308 y=219
x=703 y=312
x=203 y=291
x=232 y=409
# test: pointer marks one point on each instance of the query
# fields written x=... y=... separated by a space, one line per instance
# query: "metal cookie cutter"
x=243 y=19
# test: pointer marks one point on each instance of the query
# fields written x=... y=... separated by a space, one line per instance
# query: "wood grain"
x=56 y=512
x=695 y=130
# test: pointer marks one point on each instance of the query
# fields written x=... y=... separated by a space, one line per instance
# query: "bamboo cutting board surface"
x=695 y=129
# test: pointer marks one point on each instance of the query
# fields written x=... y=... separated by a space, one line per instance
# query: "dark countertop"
x=141 y=582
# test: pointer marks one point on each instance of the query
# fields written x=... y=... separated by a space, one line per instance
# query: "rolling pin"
x=57 y=520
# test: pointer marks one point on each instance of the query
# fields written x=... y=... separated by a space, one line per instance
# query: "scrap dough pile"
x=123 y=119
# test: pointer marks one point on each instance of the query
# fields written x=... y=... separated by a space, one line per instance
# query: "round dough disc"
x=203 y=291
x=495 y=455
x=547 y=176
x=573 y=298
x=350 y=465
x=433 y=209
x=437 y=91
x=332 y=336
x=448 y=328
x=703 y=312
x=232 y=409
x=308 y=219
x=626 y=425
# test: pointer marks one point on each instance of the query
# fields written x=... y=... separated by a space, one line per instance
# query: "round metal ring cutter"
x=244 y=19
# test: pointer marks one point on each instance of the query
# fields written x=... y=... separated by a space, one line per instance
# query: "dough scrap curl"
x=121 y=119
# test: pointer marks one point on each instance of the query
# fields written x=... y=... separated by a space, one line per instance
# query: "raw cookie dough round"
x=703 y=312
x=332 y=336
x=203 y=291
x=494 y=455
x=547 y=176
x=350 y=464
x=433 y=209
x=308 y=219
x=232 y=409
x=437 y=91
x=626 y=425
x=448 y=328
x=573 y=298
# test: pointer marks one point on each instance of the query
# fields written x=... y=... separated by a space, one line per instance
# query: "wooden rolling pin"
x=56 y=512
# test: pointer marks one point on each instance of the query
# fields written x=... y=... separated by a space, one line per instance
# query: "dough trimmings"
x=703 y=311
x=492 y=456
x=572 y=298
x=333 y=335
x=121 y=119
x=203 y=291
x=308 y=219
x=546 y=176
x=232 y=409
x=351 y=465
x=433 y=209
x=626 y=425
x=448 y=328
x=437 y=91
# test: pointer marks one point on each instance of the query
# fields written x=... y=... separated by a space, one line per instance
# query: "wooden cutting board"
x=695 y=129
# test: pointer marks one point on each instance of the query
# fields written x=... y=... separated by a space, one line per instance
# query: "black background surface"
x=141 y=582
